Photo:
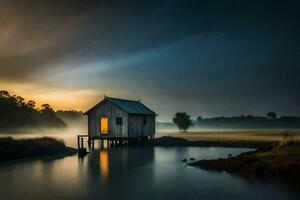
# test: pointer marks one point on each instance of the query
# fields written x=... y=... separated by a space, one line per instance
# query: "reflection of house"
x=119 y=118
x=111 y=164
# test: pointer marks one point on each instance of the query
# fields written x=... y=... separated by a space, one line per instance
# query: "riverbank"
x=281 y=162
x=45 y=147
x=238 y=136
x=170 y=141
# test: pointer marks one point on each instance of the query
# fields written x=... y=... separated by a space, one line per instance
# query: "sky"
x=208 y=58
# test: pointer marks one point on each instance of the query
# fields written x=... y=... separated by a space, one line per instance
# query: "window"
x=119 y=121
x=145 y=120
x=104 y=125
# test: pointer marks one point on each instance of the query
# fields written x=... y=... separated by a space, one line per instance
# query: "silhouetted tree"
x=199 y=118
x=31 y=104
x=272 y=115
x=20 y=101
x=70 y=115
x=4 y=94
x=16 y=113
x=182 y=121
x=46 y=107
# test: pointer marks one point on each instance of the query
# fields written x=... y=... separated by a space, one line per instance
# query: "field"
x=238 y=136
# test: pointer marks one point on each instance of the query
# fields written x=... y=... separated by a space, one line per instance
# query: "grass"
x=281 y=162
x=251 y=137
x=11 y=149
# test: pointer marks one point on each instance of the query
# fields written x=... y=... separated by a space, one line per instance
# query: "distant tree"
x=4 y=94
x=182 y=121
x=46 y=107
x=20 y=101
x=199 y=118
x=272 y=115
x=47 y=111
x=69 y=115
x=31 y=104
x=16 y=113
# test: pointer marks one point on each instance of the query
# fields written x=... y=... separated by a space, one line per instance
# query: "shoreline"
x=281 y=163
x=171 y=141
x=71 y=152
x=12 y=150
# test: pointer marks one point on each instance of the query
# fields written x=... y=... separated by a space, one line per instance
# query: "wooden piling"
x=78 y=145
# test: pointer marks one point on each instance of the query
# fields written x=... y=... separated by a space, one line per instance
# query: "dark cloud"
x=207 y=57
x=36 y=34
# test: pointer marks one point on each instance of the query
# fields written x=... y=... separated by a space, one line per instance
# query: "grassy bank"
x=264 y=137
x=168 y=141
x=11 y=149
x=281 y=162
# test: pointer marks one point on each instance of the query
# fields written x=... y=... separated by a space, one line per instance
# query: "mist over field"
x=68 y=134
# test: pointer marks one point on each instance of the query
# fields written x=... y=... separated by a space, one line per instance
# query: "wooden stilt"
x=81 y=142
x=78 y=144
x=89 y=142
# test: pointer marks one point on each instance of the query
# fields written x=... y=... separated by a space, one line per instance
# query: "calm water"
x=133 y=173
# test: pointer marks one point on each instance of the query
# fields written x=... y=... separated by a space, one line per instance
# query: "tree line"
x=271 y=121
x=15 y=113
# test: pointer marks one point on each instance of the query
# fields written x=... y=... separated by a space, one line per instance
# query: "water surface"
x=133 y=173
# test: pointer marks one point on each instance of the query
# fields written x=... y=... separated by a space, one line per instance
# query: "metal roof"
x=129 y=106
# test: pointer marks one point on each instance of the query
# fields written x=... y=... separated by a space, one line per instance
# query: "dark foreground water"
x=133 y=173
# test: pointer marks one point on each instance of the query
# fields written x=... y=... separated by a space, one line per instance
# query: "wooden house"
x=114 y=118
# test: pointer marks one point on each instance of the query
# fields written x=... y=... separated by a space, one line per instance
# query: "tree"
x=47 y=111
x=4 y=94
x=20 y=101
x=46 y=107
x=182 y=121
x=272 y=115
x=31 y=104
x=199 y=118
x=16 y=113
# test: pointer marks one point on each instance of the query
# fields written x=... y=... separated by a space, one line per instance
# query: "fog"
x=79 y=127
x=68 y=135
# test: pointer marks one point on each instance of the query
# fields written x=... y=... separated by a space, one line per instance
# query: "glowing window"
x=104 y=125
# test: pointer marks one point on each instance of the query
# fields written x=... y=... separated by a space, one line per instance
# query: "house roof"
x=129 y=106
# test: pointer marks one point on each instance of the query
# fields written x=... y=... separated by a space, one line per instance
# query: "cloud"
x=206 y=57
x=34 y=35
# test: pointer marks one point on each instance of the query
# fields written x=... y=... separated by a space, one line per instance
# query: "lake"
x=133 y=173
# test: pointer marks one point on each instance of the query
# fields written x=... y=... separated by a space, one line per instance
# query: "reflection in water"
x=118 y=167
x=134 y=173
x=103 y=165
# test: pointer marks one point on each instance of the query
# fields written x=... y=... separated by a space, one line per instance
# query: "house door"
x=104 y=125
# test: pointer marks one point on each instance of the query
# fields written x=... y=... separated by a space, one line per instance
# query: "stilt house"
x=114 y=118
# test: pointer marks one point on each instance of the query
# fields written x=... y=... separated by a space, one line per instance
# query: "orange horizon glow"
x=80 y=100
x=60 y=99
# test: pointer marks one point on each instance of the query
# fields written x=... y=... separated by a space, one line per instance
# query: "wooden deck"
x=110 y=141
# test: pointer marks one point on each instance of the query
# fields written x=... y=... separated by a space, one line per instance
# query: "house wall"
x=137 y=128
x=111 y=111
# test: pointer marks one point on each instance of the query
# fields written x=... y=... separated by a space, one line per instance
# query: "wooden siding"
x=132 y=125
x=109 y=110
x=137 y=128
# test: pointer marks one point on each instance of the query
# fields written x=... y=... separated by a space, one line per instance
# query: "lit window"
x=104 y=125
